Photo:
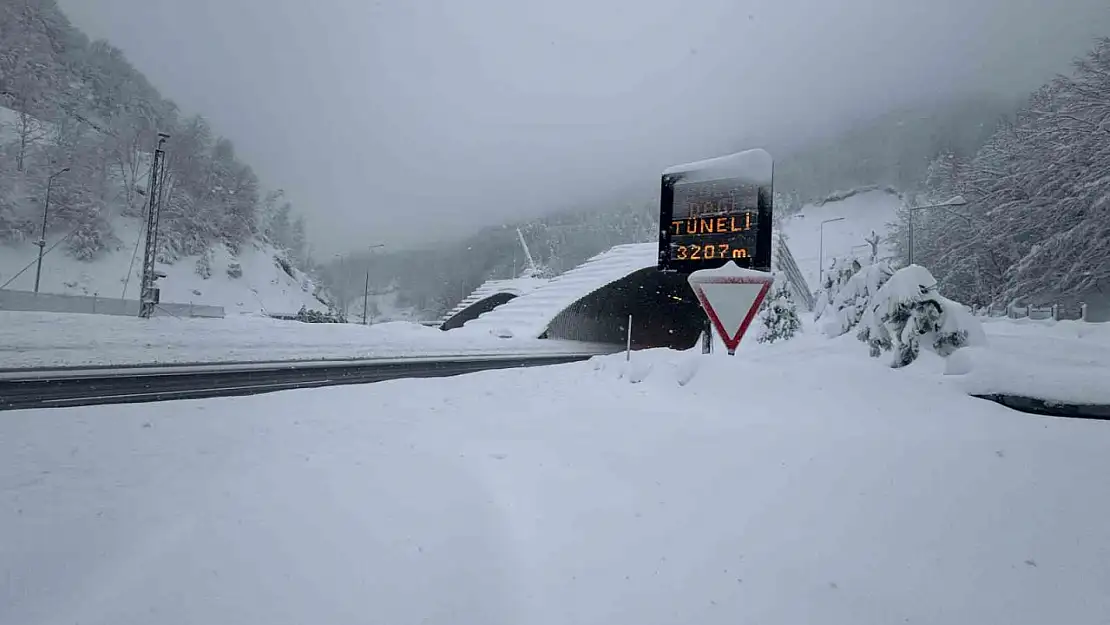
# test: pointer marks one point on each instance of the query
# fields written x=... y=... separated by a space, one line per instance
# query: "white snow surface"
x=29 y=339
x=863 y=213
x=264 y=286
x=794 y=483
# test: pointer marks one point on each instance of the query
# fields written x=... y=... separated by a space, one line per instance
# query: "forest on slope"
x=1036 y=229
x=69 y=102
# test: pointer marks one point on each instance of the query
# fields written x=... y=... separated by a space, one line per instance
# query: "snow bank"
x=1065 y=361
x=783 y=487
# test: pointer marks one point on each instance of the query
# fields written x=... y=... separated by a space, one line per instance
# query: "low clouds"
x=404 y=119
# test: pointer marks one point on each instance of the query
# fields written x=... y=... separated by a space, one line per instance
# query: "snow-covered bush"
x=853 y=298
x=90 y=240
x=305 y=315
x=838 y=274
x=204 y=266
x=234 y=270
x=778 y=318
x=908 y=313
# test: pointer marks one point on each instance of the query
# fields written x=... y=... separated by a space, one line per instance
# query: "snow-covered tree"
x=298 y=241
x=778 y=316
x=204 y=265
x=1039 y=199
x=854 y=298
x=907 y=313
x=838 y=273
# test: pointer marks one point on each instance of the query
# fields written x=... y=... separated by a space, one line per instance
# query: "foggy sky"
x=392 y=120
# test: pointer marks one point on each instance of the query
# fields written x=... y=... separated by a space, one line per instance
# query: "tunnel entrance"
x=472 y=311
x=664 y=312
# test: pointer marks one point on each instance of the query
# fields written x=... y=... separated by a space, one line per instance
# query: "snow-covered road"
x=799 y=484
x=54 y=340
x=1066 y=361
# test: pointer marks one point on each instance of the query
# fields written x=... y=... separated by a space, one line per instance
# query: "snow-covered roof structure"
x=530 y=315
x=489 y=294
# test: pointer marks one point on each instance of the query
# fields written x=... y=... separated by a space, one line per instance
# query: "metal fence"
x=26 y=301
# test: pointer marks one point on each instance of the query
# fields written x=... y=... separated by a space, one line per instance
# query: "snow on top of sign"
x=756 y=165
x=529 y=315
x=730 y=270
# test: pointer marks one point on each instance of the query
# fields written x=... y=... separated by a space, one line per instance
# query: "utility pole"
x=42 y=240
x=365 y=297
x=366 y=287
x=148 y=294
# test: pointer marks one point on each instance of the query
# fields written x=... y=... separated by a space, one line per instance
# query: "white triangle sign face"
x=731 y=297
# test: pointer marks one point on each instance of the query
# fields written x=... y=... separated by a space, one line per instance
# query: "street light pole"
x=821 y=254
x=366 y=287
x=956 y=201
x=343 y=284
x=45 y=212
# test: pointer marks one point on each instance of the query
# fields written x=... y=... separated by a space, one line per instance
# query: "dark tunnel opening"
x=664 y=312
x=480 y=307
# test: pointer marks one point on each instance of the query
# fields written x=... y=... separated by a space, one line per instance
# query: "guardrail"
x=67 y=387
x=1058 y=312
x=784 y=261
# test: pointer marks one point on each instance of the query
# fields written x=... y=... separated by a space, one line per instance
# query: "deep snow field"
x=800 y=482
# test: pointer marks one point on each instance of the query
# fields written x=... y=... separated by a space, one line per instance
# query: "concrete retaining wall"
x=55 y=302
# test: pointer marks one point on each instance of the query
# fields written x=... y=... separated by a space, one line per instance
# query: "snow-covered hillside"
x=264 y=285
x=863 y=213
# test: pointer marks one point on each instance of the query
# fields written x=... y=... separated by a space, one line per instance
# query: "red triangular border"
x=731 y=341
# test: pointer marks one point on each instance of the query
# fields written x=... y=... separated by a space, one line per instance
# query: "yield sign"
x=731 y=295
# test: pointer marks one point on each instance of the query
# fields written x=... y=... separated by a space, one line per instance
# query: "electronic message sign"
x=716 y=211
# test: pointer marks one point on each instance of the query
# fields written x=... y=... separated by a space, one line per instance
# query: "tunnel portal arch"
x=664 y=312
x=472 y=311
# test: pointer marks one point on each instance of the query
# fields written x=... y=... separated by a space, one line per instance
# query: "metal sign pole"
x=628 y=347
